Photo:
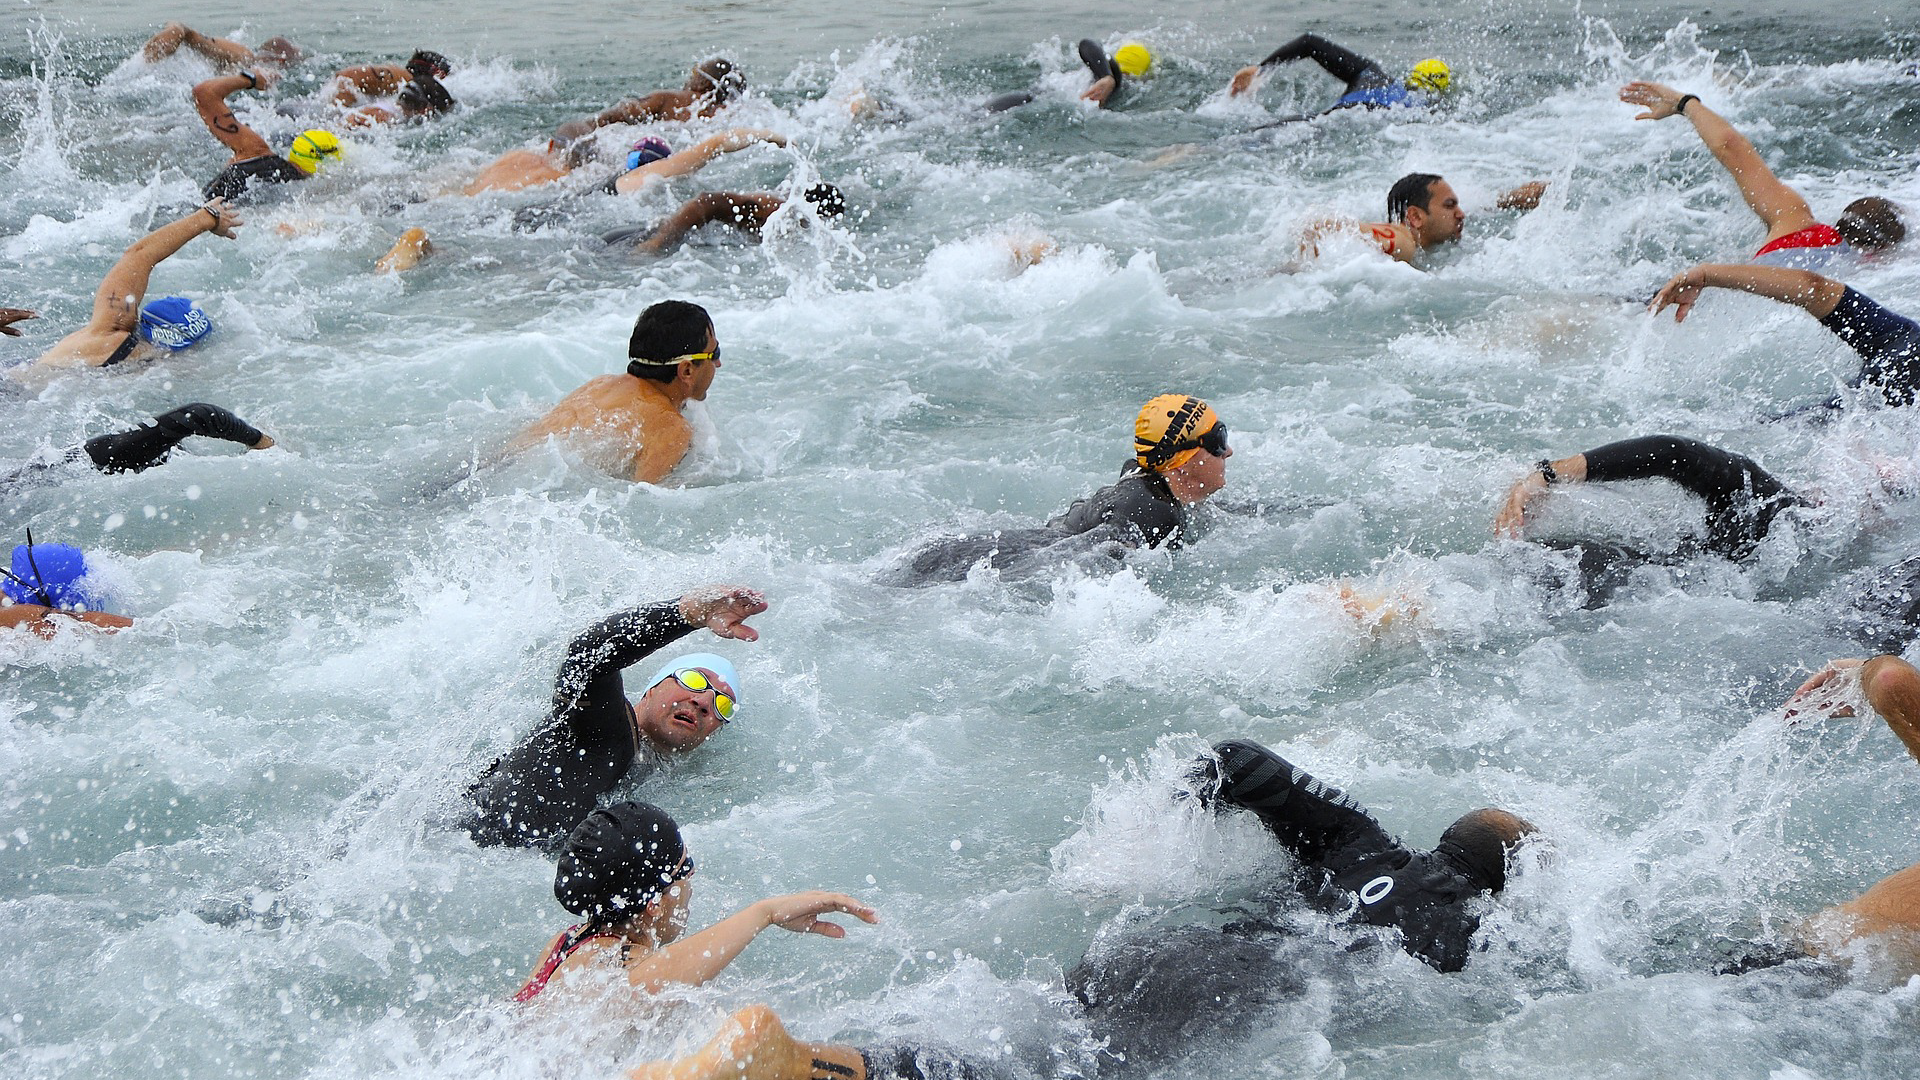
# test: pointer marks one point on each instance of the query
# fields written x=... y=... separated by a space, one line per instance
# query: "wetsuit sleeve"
x=589 y=679
x=1316 y=822
x=1888 y=343
x=1342 y=63
x=1742 y=498
x=144 y=447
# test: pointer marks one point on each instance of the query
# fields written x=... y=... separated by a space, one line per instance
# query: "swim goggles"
x=1213 y=441
x=672 y=360
x=696 y=680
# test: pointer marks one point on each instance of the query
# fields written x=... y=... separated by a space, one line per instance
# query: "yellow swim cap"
x=310 y=148
x=1133 y=58
x=1433 y=76
x=1167 y=432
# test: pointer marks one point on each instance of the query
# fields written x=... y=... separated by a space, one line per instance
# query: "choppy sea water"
x=222 y=851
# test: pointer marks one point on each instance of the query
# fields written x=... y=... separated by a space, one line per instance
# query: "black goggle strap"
x=39 y=585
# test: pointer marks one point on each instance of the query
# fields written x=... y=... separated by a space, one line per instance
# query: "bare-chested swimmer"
x=711 y=85
x=1422 y=212
x=630 y=424
x=517 y=169
x=225 y=55
x=746 y=212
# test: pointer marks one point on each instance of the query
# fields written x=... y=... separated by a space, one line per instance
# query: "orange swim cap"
x=1167 y=432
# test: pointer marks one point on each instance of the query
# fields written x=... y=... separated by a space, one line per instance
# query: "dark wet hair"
x=826 y=199
x=428 y=63
x=424 y=96
x=618 y=860
x=1871 y=223
x=1478 y=844
x=668 y=329
x=278 y=50
x=721 y=78
x=1413 y=189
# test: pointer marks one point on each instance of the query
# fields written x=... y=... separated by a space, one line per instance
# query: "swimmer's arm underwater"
x=696 y=959
x=665 y=446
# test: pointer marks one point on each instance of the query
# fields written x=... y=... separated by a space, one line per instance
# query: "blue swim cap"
x=647 y=151
x=719 y=665
x=61 y=570
x=173 y=322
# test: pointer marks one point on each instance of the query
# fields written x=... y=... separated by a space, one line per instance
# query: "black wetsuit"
x=1888 y=344
x=1138 y=510
x=237 y=180
x=1881 y=608
x=1742 y=498
x=144 y=447
x=1350 y=863
x=538 y=791
x=1368 y=86
x=1099 y=64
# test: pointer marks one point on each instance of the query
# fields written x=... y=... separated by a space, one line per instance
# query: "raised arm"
x=147 y=446
x=697 y=958
x=210 y=99
x=1816 y=294
x=694 y=158
x=116 y=305
x=597 y=655
x=1780 y=207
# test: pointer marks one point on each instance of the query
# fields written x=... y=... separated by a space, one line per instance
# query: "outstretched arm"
x=590 y=674
x=223 y=53
x=745 y=212
x=694 y=158
x=1780 y=207
x=697 y=958
x=210 y=99
x=1805 y=289
x=116 y=305
x=44 y=622
x=146 y=446
x=1890 y=685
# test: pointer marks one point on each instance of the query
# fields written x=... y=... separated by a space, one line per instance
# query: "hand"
x=11 y=315
x=1660 y=101
x=225 y=218
x=1681 y=292
x=801 y=912
x=1826 y=692
x=1243 y=80
x=1101 y=90
x=724 y=609
x=266 y=441
x=1512 y=518
x=741 y=138
x=1524 y=197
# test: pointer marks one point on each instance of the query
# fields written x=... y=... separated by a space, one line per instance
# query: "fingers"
x=827 y=929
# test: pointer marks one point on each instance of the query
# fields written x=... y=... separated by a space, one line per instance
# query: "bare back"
x=624 y=425
x=514 y=170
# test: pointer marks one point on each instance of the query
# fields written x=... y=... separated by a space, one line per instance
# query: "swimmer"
x=627 y=873
x=1368 y=85
x=1742 y=499
x=276 y=52
x=1888 y=344
x=1795 y=238
x=650 y=159
x=630 y=424
x=594 y=738
x=1179 y=461
x=746 y=212
x=711 y=85
x=121 y=328
x=45 y=588
x=1891 y=907
x=1108 y=74
x=415 y=86
x=146 y=446
x=254 y=162
x=1422 y=212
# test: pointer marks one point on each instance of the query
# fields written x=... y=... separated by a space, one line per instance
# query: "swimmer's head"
x=664 y=336
x=424 y=97
x=312 y=148
x=647 y=151
x=427 y=64
x=1871 y=224
x=717 y=77
x=687 y=701
x=1432 y=76
x=618 y=860
x=51 y=575
x=1133 y=58
x=279 y=51
x=173 y=322
x=826 y=199
x=1172 y=428
x=1426 y=204
x=1480 y=842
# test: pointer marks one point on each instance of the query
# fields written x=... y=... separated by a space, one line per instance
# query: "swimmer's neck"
x=675 y=394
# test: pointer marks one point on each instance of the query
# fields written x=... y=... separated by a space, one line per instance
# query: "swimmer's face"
x=1440 y=221
x=673 y=718
x=703 y=370
x=1209 y=470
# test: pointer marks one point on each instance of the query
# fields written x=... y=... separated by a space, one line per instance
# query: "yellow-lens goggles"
x=696 y=680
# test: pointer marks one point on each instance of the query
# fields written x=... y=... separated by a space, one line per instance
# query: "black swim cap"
x=826 y=199
x=1478 y=844
x=617 y=861
x=429 y=63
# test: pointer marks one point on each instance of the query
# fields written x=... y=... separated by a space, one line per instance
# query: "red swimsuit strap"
x=563 y=946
